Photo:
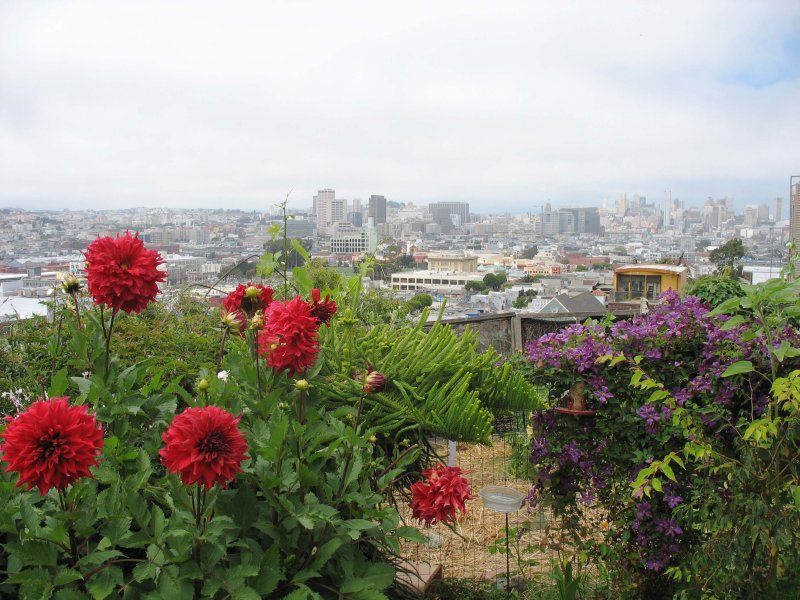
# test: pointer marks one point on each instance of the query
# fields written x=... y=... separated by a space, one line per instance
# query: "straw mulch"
x=463 y=550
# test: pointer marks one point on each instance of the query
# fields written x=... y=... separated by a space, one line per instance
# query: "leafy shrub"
x=687 y=456
x=714 y=289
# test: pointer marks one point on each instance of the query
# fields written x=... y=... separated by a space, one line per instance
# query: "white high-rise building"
x=329 y=210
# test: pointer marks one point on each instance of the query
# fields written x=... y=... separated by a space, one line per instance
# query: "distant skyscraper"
x=750 y=216
x=322 y=196
x=377 y=209
x=622 y=205
x=448 y=214
x=584 y=220
x=329 y=210
x=794 y=215
x=778 y=216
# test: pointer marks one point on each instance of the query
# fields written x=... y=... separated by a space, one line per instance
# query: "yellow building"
x=633 y=282
x=452 y=263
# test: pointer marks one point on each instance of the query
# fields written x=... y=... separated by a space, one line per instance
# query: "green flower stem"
x=58 y=342
x=73 y=543
x=257 y=363
x=198 y=505
x=397 y=460
x=77 y=310
x=108 y=563
x=221 y=353
x=107 y=333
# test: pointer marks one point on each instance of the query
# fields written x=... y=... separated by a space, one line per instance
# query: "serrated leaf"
x=667 y=470
x=65 y=576
x=146 y=570
x=245 y=593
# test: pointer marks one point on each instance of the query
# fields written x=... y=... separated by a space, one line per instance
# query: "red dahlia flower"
x=52 y=444
x=438 y=498
x=249 y=299
x=203 y=445
x=290 y=340
x=122 y=274
x=322 y=311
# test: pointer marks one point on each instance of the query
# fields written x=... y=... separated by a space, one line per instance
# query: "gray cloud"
x=506 y=105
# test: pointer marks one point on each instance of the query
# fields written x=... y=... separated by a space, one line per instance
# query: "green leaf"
x=58 y=384
x=656 y=483
x=411 y=533
x=667 y=470
x=737 y=368
x=325 y=552
x=99 y=557
x=266 y=264
x=65 y=576
x=302 y=278
x=298 y=247
x=146 y=570
x=245 y=593
x=103 y=583
x=84 y=385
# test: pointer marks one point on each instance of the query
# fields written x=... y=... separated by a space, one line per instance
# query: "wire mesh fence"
x=474 y=547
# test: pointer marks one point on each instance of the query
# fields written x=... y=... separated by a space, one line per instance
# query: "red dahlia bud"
x=374 y=382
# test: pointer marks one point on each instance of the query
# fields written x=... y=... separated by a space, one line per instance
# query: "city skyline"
x=504 y=107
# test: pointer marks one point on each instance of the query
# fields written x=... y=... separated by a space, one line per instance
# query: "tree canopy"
x=727 y=257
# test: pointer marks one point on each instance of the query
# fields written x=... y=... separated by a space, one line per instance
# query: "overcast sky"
x=506 y=105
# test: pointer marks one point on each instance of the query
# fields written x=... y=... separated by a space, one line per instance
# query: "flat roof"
x=658 y=268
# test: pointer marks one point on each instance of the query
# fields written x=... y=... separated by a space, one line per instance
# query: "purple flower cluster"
x=685 y=348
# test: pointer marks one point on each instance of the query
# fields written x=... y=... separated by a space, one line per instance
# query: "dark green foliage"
x=176 y=331
x=323 y=277
x=726 y=258
x=714 y=289
x=494 y=281
x=601 y=266
x=419 y=302
x=475 y=286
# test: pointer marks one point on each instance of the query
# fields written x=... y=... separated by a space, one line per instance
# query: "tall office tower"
x=622 y=205
x=356 y=218
x=566 y=221
x=750 y=216
x=548 y=221
x=329 y=210
x=449 y=214
x=794 y=215
x=667 y=208
x=778 y=216
x=356 y=205
x=763 y=212
x=377 y=209
x=321 y=197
